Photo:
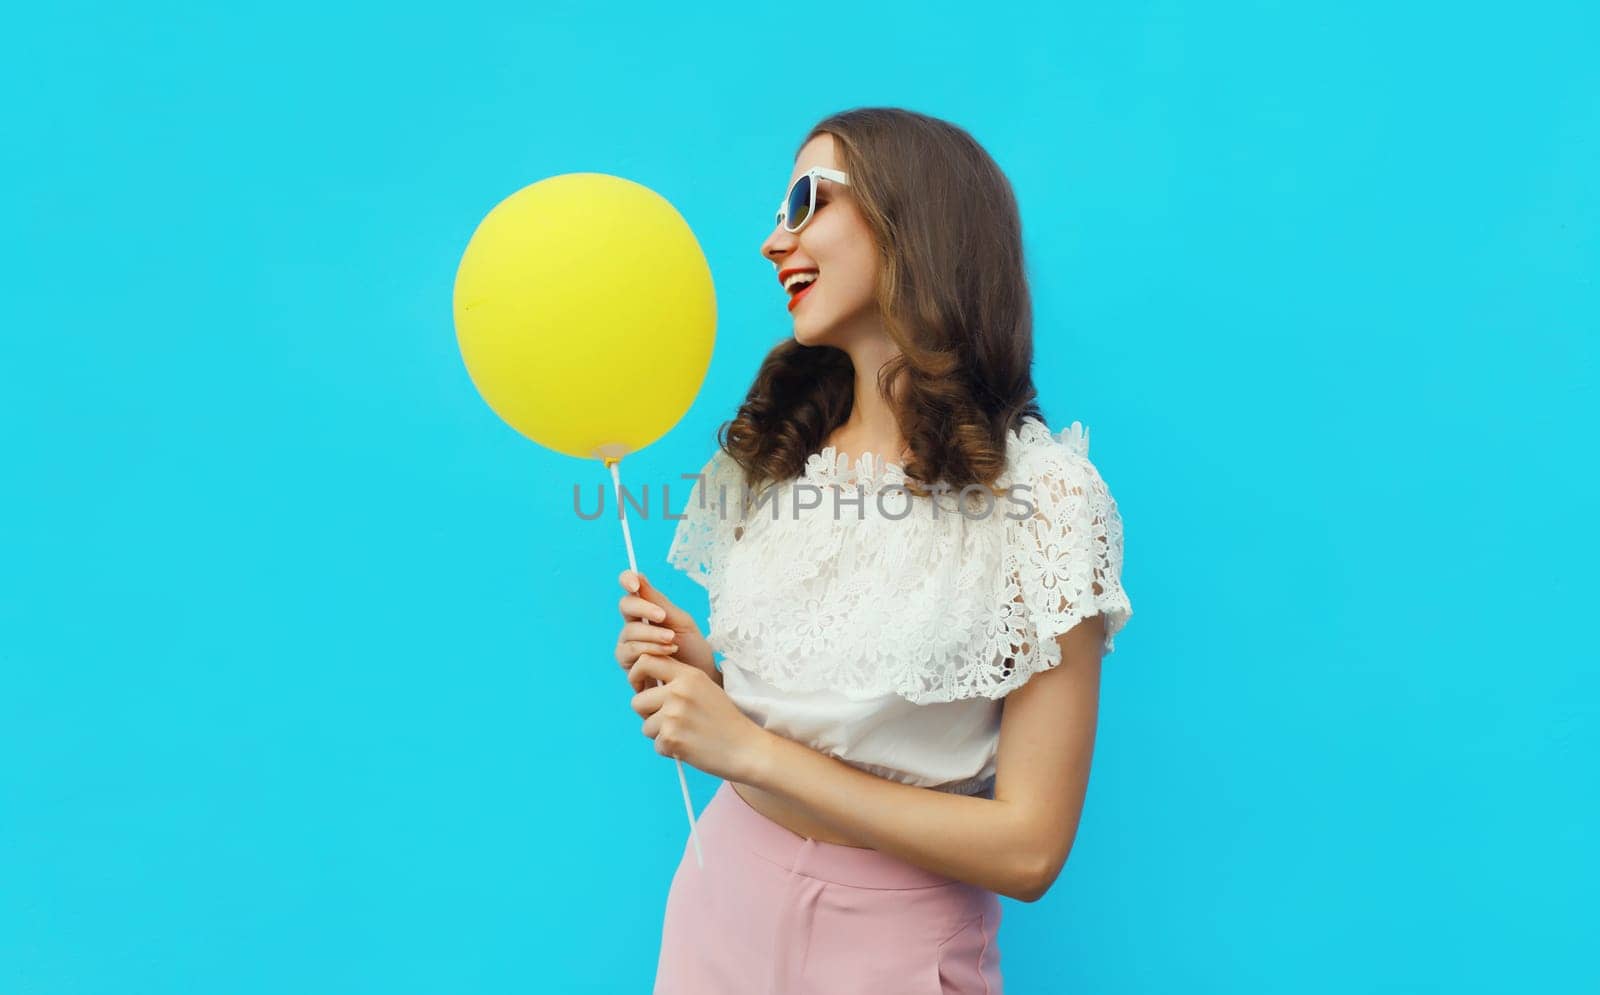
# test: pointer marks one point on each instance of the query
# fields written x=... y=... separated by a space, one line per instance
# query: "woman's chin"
x=810 y=333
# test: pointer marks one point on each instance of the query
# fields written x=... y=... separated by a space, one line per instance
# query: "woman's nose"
x=778 y=244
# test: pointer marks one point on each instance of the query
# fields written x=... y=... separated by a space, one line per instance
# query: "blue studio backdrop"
x=306 y=675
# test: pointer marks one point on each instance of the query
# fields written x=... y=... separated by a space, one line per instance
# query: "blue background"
x=305 y=661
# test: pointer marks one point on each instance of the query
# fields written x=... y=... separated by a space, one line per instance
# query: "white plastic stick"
x=627 y=538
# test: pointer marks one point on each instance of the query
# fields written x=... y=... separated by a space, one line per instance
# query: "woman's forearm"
x=978 y=840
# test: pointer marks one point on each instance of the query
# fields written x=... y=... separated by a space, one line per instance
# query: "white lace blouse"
x=885 y=628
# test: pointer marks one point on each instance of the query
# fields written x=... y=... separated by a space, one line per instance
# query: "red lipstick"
x=796 y=298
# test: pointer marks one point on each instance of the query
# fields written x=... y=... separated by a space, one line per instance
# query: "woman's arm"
x=1014 y=844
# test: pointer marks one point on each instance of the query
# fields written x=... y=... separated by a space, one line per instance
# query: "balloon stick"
x=633 y=565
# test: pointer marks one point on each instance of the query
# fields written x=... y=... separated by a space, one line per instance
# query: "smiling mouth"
x=803 y=291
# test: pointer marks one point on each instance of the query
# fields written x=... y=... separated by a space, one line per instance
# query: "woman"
x=905 y=712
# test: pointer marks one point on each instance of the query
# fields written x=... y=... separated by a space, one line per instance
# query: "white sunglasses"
x=801 y=201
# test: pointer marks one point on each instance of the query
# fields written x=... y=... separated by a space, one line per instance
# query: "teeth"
x=798 y=278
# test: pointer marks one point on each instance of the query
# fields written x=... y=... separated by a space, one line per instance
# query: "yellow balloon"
x=585 y=313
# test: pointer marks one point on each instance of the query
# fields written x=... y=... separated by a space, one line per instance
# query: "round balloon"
x=585 y=313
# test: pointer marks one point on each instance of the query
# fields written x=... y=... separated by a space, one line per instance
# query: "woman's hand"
x=692 y=719
x=653 y=624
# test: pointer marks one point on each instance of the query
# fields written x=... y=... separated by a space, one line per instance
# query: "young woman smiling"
x=912 y=621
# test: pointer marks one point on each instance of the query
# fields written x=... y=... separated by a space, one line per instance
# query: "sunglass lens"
x=799 y=202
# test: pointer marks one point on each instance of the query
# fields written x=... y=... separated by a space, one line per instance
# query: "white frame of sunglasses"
x=843 y=179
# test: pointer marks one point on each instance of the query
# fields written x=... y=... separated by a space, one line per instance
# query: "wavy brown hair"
x=953 y=294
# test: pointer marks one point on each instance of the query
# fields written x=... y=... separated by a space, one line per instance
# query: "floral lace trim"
x=934 y=608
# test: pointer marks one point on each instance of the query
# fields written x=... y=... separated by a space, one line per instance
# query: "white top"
x=885 y=628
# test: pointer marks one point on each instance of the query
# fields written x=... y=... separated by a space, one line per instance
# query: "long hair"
x=953 y=295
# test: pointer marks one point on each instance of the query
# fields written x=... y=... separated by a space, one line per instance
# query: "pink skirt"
x=775 y=913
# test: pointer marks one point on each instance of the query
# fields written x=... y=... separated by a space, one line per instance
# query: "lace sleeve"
x=1065 y=560
x=709 y=518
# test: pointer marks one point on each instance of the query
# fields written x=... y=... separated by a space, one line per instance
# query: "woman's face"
x=841 y=304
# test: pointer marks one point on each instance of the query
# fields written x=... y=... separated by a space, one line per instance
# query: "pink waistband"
x=860 y=867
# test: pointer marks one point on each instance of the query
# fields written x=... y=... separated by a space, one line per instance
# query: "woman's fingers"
x=637 y=636
x=632 y=606
x=646 y=632
x=644 y=589
x=629 y=651
x=639 y=680
x=656 y=606
x=644 y=611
